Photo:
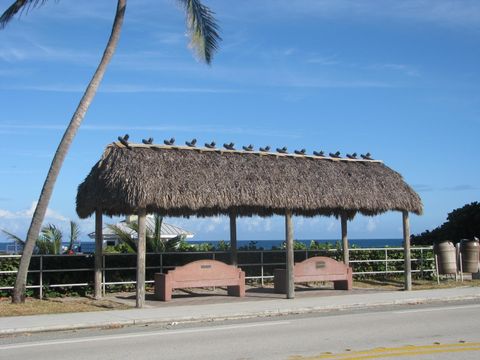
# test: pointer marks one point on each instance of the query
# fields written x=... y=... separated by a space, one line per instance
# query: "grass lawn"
x=55 y=306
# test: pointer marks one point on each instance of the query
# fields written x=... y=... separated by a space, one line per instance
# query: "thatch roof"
x=179 y=181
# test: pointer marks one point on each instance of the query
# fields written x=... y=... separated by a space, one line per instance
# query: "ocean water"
x=89 y=246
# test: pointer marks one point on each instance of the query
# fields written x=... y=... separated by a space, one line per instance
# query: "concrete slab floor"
x=218 y=295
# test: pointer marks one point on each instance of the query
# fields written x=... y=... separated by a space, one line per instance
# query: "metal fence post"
x=421 y=264
x=41 y=277
x=261 y=267
x=104 y=279
x=161 y=263
x=386 y=261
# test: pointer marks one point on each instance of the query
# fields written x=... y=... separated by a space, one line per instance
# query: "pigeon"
x=124 y=140
x=265 y=149
x=169 y=142
x=319 y=153
x=191 y=143
x=211 y=145
x=147 y=142
x=352 y=156
x=230 y=146
x=336 y=155
x=300 y=152
x=282 y=150
x=367 y=156
x=248 y=148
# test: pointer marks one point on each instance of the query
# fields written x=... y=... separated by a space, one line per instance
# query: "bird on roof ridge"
x=230 y=146
x=191 y=143
x=336 y=155
x=211 y=145
x=124 y=140
x=169 y=142
x=352 y=156
x=300 y=152
x=248 y=148
x=265 y=149
x=320 y=153
x=148 y=142
x=367 y=156
x=282 y=150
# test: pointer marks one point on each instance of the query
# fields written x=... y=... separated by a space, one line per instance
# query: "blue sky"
x=397 y=78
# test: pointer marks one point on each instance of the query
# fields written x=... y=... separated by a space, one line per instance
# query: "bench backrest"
x=204 y=270
x=320 y=265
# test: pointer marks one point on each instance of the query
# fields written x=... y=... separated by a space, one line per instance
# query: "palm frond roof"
x=182 y=181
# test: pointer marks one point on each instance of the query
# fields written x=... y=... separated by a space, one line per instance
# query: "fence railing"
x=68 y=271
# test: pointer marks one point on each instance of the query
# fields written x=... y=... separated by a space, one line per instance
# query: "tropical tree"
x=204 y=39
x=153 y=234
x=49 y=241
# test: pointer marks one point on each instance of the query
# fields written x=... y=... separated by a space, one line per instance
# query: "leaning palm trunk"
x=77 y=118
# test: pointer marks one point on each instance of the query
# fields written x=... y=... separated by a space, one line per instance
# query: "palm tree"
x=49 y=241
x=154 y=241
x=204 y=39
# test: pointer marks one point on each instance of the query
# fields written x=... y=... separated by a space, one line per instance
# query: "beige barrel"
x=470 y=255
x=446 y=255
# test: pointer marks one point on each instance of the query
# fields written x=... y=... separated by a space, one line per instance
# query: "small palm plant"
x=49 y=242
x=154 y=241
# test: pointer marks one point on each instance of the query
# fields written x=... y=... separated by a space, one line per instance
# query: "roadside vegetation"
x=462 y=223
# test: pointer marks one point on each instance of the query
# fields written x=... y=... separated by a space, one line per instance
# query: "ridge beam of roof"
x=221 y=151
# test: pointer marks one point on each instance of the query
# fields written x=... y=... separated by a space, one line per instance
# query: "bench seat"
x=197 y=274
x=317 y=268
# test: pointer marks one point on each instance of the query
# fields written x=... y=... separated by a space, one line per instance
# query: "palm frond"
x=202 y=28
x=52 y=235
x=14 y=237
x=124 y=237
x=157 y=231
x=44 y=247
x=74 y=234
x=173 y=243
x=18 y=6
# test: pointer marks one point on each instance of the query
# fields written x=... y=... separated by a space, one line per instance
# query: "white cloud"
x=209 y=129
x=332 y=225
x=50 y=214
x=372 y=224
x=442 y=12
x=17 y=222
x=39 y=52
x=403 y=68
x=116 y=88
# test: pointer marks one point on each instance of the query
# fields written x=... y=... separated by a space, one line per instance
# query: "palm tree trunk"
x=18 y=295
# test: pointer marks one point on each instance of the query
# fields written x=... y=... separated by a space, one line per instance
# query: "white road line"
x=446 y=308
x=142 y=335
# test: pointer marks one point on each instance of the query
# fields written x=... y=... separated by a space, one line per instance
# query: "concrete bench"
x=201 y=273
x=317 y=268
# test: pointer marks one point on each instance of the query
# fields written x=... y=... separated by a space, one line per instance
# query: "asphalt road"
x=442 y=331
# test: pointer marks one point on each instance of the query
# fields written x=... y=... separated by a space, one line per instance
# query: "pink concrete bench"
x=201 y=273
x=317 y=268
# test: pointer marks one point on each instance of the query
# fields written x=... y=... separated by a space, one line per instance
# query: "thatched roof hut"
x=180 y=181
x=184 y=181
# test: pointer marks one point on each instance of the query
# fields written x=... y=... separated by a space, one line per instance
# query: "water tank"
x=470 y=255
x=446 y=256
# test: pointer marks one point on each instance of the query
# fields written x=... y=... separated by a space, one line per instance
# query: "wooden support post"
x=141 y=258
x=346 y=258
x=233 y=239
x=290 y=258
x=98 y=254
x=406 y=252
